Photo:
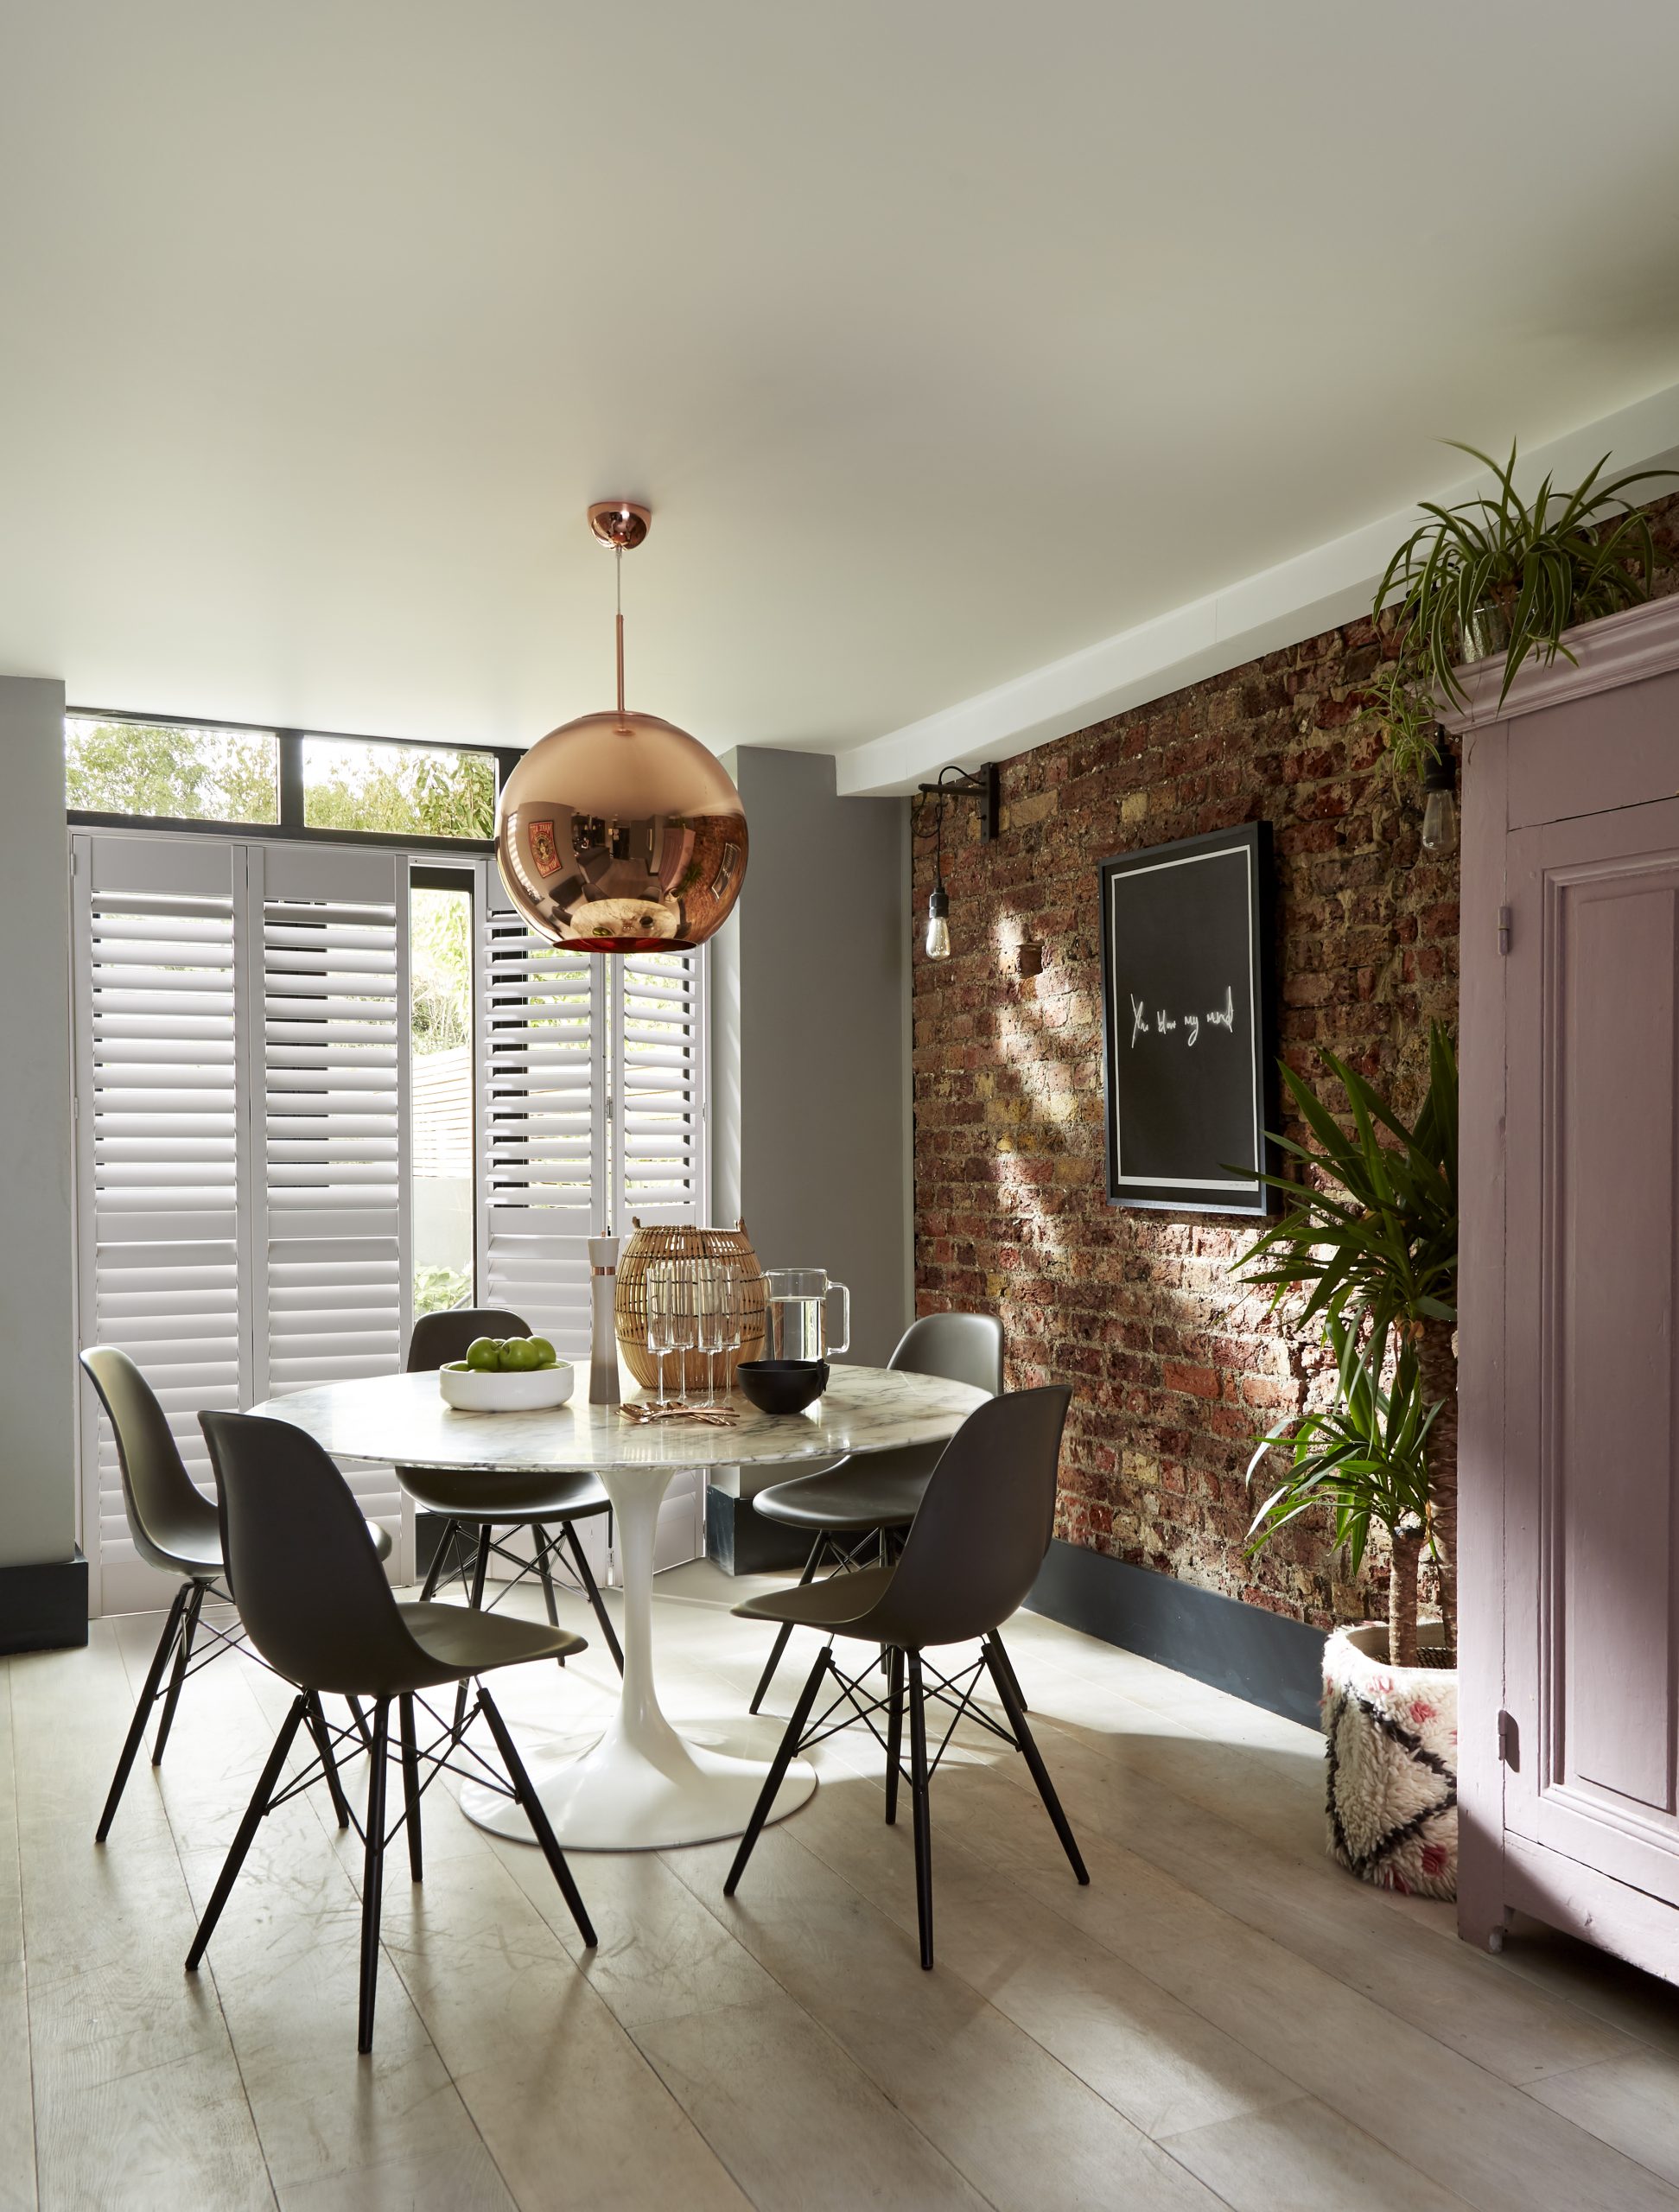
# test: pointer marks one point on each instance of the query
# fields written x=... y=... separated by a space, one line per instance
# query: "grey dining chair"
x=858 y=1506
x=973 y=1551
x=480 y=1510
x=174 y=1529
x=316 y=1605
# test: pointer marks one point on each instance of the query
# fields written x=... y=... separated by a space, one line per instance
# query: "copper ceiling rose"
x=618 y=832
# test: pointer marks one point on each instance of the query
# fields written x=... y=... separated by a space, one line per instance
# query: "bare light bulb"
x=1440 y=822
x=938 y=925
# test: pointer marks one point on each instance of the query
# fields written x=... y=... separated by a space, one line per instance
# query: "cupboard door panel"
x=1593 y=1121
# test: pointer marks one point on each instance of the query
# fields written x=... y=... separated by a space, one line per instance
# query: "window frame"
x=289 y=784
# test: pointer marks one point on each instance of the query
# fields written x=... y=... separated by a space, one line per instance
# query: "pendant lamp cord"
x=618 y=582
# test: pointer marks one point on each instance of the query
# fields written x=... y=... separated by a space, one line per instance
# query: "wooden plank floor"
x=1221 y=2018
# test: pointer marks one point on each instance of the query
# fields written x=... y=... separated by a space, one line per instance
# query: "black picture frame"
x=1188 y=1042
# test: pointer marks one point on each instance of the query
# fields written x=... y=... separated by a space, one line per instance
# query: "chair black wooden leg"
x=324 y=1742
x=183 y=1652
x=547 y=1575
x=160 y=1659
x=440 y=1559
x=480 y=1569
x=922 y=1810
x=894 y=1729
x=537 y=1816
x=253 y=1816
x=586 y=1576
x=1008 y=1665
x=786 y=1628
x=778 y=1765
x=1009 y=1696
x=410 y=1788
x=372 y=1876
x=360 y=1720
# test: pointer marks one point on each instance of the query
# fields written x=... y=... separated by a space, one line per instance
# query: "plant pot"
x=1391 y=1738
x=1486 y=632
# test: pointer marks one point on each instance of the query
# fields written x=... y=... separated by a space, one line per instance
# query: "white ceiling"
x=946 y=337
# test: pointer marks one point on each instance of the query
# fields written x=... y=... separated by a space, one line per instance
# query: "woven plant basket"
x=640 y=1250
x=1391 y=1737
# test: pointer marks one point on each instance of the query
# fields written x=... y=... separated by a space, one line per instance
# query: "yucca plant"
x=1366 y=1457
x=1372 y=1234
x=1564 y=558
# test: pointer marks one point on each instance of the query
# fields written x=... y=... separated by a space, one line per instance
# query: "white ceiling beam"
x=1316 y=590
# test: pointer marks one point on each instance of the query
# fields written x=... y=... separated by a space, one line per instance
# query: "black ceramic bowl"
x=783 y=1386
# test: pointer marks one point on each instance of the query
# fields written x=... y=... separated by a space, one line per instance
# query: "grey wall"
x=810 y=1088
x=37 y=1336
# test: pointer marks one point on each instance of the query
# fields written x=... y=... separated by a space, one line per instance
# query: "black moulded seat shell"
x=475 y=1505
x=863 y=1500
x=318 y=1608
x=175 y=1529
x=971 y=1557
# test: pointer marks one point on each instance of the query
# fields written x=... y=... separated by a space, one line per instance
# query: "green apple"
x=546 y=1355
x=520 y=1356
x=484 y=1353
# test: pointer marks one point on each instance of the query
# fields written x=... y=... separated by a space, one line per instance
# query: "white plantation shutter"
x=542 y=1186
x=657 y=1076
x=330 y=1067
x=157 y=1048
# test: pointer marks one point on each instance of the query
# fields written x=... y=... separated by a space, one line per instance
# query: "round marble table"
x=642 y=1786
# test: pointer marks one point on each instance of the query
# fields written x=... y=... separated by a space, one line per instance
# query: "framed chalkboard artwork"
x=1186 y=1022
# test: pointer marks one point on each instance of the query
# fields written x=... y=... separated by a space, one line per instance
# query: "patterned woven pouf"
x=1390 y=1738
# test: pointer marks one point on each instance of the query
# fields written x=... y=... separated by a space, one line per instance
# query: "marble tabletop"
x=403 y=1418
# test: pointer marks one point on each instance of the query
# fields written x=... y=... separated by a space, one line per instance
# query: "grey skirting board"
x=44 y=1608
x=1261 y=1656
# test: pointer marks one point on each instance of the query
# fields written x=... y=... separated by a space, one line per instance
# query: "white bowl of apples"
x=507 y=1374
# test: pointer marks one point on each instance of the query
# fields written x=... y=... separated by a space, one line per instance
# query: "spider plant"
x=1366 y=1456
x=1372 y=1234
x=1403 y=705
x=1566 y=558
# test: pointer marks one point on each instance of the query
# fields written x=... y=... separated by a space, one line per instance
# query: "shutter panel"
x=332 y=1293
x=543 y=1186
x=157 y=1043
x=658 y=1077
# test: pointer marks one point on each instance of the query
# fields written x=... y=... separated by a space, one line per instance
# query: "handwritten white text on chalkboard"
x=1165 y=1024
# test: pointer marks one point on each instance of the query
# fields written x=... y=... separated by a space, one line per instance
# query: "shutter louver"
x=542 y=1186
x=157 y=1048
x=332 y=1085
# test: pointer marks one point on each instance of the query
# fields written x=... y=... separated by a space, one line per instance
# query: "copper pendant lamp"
x=618 y=832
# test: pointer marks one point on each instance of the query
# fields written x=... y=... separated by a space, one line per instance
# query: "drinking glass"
x=661 y=1288
x=712 y=1316
x=684 y=1319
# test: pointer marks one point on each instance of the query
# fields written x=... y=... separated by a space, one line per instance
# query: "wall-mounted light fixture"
x=1440 y=805
x=982 y=783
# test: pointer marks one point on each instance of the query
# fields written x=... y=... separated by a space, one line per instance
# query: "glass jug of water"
x=796 y=1300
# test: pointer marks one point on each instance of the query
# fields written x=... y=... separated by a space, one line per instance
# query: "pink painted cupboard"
x=1570 y=1543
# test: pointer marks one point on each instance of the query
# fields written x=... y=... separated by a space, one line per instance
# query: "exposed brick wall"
x=1177 y=1366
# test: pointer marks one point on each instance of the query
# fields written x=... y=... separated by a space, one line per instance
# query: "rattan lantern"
x=733 y=1247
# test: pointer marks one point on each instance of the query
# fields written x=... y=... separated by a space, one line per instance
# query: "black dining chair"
x=856 y=1509
x=175 y=1528
x=477 y=1505
x=972 y=1553
x=316 y=1605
